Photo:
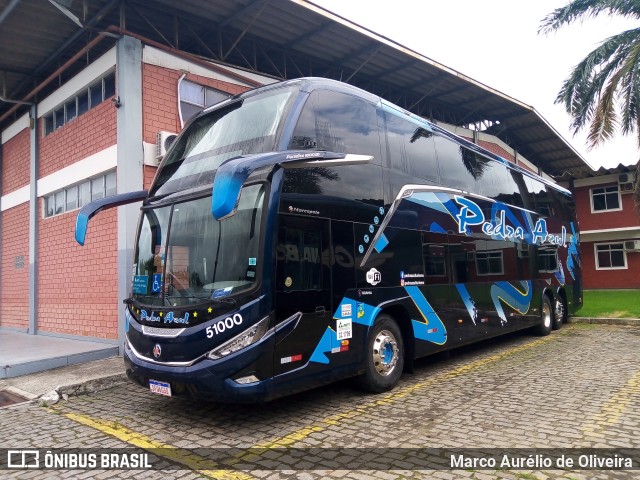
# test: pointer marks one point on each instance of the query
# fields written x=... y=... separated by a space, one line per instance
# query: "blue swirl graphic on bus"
x=573 y=257
x=470 y=214
x=507 y=293
x=468 y=301
x=559 y=273
x=436 y=228
x=430 y=200
x=432 y=329
x=327 y=342
x=499 y=213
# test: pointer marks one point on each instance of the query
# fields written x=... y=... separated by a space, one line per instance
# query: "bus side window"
x=411 y=148
x=548 y=259
x=458 y=165
x=540 y=196
x=498 y=184
x=338 y=122
x=434 y=257
x=562 y=204
x=520 y=196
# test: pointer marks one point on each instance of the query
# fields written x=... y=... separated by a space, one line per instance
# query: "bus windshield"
x=242 y=126
x=184 y=256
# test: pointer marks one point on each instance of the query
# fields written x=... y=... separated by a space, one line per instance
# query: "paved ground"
x=577 y=388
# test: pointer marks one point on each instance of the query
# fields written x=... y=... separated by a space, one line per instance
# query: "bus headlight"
x=246 y=338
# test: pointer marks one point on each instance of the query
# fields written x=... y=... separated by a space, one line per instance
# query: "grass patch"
x=611 y=304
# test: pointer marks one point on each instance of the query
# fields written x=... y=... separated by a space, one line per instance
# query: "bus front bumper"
x=208 y=379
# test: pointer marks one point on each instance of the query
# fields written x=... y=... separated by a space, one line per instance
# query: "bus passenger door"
x=471 y=296
x=303 y=286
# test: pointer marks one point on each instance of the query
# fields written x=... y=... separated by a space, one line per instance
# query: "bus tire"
x=384 y=356
x=546 y=316
x=559 y=312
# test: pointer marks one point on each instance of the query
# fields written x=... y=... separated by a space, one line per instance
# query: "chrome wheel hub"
x=546 y=314
x=385 y=353
x=559 y=311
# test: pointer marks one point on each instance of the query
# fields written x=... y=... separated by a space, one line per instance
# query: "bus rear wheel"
x=384 y=356
x=546 y=317
x=558 y=313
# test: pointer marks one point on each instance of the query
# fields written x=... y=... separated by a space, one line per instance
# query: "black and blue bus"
x=309 y=231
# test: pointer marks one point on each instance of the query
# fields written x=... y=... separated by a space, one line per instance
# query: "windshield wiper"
x=203 y=298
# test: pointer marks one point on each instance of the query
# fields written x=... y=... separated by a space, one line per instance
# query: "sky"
x=496 y=42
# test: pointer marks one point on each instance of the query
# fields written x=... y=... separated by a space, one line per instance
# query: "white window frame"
x=597 y=263
x=491 y=273
x=593 y=210
x=62 y=107
x=65 y=191
x=202 y=105
x=550 y=253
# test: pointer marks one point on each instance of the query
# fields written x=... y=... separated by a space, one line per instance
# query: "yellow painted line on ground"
x=190 y=460
x=612 y=409
x=210 y=469
x=392 y=397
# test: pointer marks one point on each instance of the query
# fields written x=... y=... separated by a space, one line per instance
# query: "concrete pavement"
x=575 y=390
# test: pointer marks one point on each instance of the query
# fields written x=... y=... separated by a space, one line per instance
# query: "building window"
x=85 y=100
x=489 y=263
x=77 y=196
x=194 y=98
x=605 y=199
x=434 y=260
x=547 y=260
x=610 y=256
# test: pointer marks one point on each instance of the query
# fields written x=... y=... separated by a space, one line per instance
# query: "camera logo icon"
x=23 y=459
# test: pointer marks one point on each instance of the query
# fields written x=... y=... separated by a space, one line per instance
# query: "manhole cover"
x=8 y=398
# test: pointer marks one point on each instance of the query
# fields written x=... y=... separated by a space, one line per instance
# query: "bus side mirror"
x=232 y=174
x=90 y=209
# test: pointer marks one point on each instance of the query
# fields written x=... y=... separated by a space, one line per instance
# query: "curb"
x=82 y=388
x=94 y=385
x=605 y=321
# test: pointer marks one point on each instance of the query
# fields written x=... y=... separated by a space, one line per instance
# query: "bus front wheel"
x=384 y=356
x=546 y=316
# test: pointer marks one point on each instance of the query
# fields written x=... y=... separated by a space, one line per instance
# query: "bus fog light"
x=246 y=380
x=246 y=338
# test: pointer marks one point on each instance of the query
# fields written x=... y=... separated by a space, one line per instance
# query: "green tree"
x=602 y=93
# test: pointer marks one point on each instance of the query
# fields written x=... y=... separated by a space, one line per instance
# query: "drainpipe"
x=34 y=158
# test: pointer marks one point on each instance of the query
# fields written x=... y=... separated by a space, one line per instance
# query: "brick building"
x=93 y=137
x=609 y=228
x=90 y=127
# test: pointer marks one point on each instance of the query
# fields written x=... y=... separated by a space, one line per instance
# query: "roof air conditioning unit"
x=632 y=245
x=523 y=250
x=164 y=140
x=627 y=182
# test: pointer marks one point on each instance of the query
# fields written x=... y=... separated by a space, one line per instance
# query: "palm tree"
x=603 y=90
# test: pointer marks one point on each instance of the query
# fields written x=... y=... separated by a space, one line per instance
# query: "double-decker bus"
x=309 y=231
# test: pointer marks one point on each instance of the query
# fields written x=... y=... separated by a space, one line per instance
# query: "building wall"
x=160 y=103
x=608 y=279
x=15 y=162
x=614 y=226
x=77 y=286
x=14 y=285
x=14 y=288
x=626 y=217
x=86 y=135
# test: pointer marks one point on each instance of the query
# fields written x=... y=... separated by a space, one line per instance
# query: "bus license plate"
x=161 y=388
